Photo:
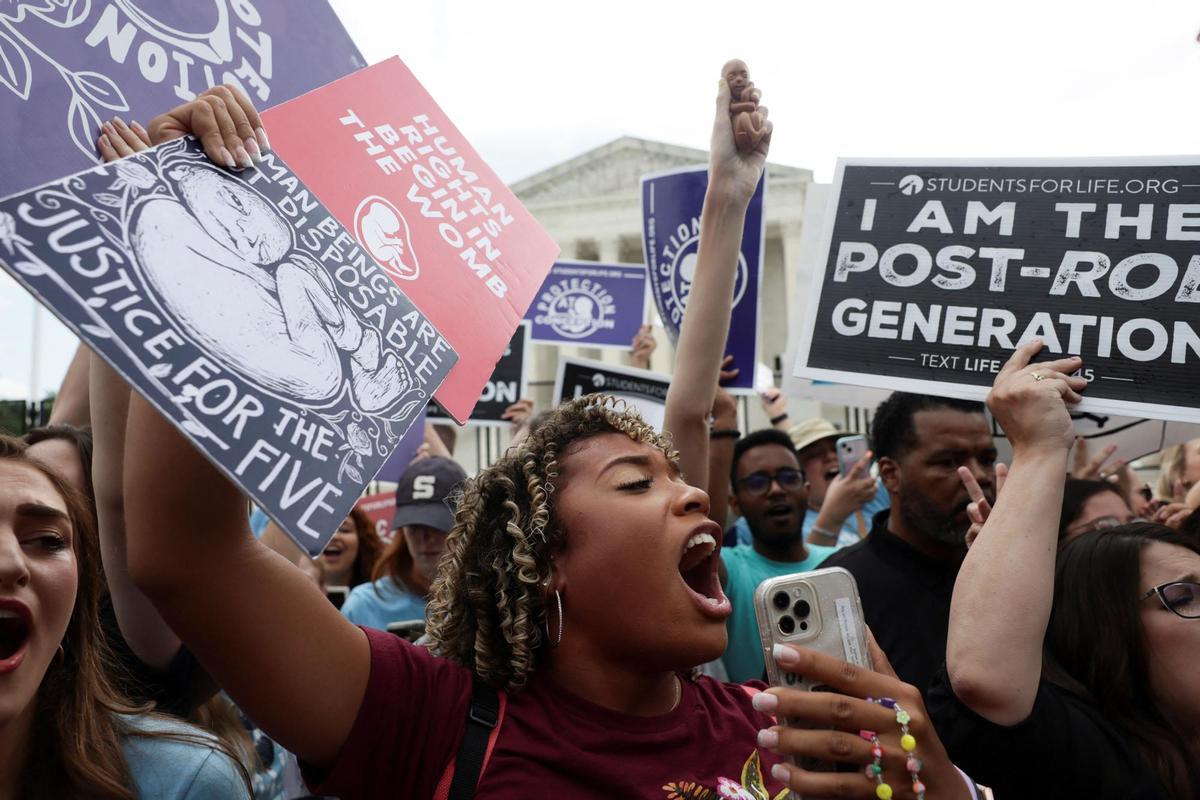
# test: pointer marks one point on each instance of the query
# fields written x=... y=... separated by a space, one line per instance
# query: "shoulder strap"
x=484 y=717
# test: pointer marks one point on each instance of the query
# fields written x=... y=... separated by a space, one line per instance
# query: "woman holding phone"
x=579 y=585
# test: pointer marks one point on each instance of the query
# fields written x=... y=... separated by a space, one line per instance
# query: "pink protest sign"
x=389 y=164
x=380 y=508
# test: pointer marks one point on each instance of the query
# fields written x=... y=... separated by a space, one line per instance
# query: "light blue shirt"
x=168 y=769
x=747 y=569
x=378 y=604
x=849 y=532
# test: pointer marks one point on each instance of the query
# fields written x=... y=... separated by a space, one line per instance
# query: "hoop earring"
x=558 y=600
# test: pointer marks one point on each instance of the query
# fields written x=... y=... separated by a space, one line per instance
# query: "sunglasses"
x=760 y=482
x=1181 y=597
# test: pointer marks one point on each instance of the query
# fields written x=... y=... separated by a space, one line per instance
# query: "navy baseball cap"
x=426 y=493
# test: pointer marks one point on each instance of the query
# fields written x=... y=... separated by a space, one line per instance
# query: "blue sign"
x=589 y=303
x=671 y=205
x=66 y=66
x=243 y=311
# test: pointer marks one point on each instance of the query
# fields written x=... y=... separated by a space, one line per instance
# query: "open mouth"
x=779 y=510
x=333 y=551
x=831 y=473
x=15 y=629
x=698 y=568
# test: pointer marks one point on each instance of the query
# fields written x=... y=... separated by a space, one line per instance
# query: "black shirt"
x=905 y=598
x=1064 y=748
x=178 y=689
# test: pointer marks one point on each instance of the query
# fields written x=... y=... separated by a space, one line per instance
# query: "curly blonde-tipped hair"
x=489 y=604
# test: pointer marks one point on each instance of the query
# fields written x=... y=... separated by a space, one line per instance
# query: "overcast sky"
x=534 y=83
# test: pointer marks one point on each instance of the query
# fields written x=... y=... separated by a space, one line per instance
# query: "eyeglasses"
x=1182 y=597
x=759 y=482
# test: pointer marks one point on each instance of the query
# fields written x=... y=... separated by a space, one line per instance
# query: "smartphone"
x=820 y=610
x=850 y=450
x=410 y=629
x=337 y=595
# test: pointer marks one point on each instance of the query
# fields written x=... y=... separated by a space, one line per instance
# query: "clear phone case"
x=820 y=610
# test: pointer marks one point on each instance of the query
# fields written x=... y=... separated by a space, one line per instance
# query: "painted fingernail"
x=784 y=654
x=252 y=148
x=119 y=122
x=104 y=142
x=765 y=702
x=136 y=126
x=261 y=134
x=244 y=158
x=781 y=773
x=768 y=739
x=227 y=158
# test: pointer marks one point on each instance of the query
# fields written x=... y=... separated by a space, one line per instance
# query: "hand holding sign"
x=1029 y=400
x=644 y=345
x=118 y=140
x=225 y=122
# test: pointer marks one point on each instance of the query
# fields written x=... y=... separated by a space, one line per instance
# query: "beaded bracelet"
x=874 y=770
x=908 y=743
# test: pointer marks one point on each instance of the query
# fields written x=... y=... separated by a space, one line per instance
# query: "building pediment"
x=616 y=169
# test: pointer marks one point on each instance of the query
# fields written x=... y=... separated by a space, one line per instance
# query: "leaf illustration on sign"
x=82 y=121
x=100 y=89
x=95 y=330
x=59 y=13
x=14 y=66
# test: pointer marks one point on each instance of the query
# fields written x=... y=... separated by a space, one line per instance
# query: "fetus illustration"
x=223 y=262
x=382 y=230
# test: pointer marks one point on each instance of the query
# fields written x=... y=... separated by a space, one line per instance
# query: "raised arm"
x=1003 y=593
x=71 y=402
x=259 y=627
x=732 y=179
x=142 y=627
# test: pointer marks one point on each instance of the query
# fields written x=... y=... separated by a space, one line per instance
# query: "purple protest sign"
x=671 y=204
x=404 y=453
x=66 y=66
x=590 y=303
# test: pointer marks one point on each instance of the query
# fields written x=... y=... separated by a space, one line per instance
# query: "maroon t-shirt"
x=412 y=718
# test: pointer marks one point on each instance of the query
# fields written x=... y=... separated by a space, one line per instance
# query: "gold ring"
x=1037 y=376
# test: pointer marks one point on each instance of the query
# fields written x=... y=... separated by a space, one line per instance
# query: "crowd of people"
x=577 y=619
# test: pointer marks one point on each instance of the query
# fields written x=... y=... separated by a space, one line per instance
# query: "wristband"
x=779 y=419
x=823 y=532
x=725 y=433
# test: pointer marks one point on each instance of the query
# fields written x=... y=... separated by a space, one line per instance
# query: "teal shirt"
x=167 y=769
x=376 y=605
x=747 y=569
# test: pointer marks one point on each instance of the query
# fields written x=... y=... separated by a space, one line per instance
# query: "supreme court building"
x=591 y=205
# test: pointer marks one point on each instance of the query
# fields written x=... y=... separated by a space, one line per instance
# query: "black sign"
x=641 y=389
x=505 y=387
x=243 y=311
x=934 y=273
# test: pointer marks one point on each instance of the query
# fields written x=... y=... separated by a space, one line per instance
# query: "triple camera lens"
x=801 y=610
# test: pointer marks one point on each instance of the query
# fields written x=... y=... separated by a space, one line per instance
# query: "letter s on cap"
x=423 y=487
